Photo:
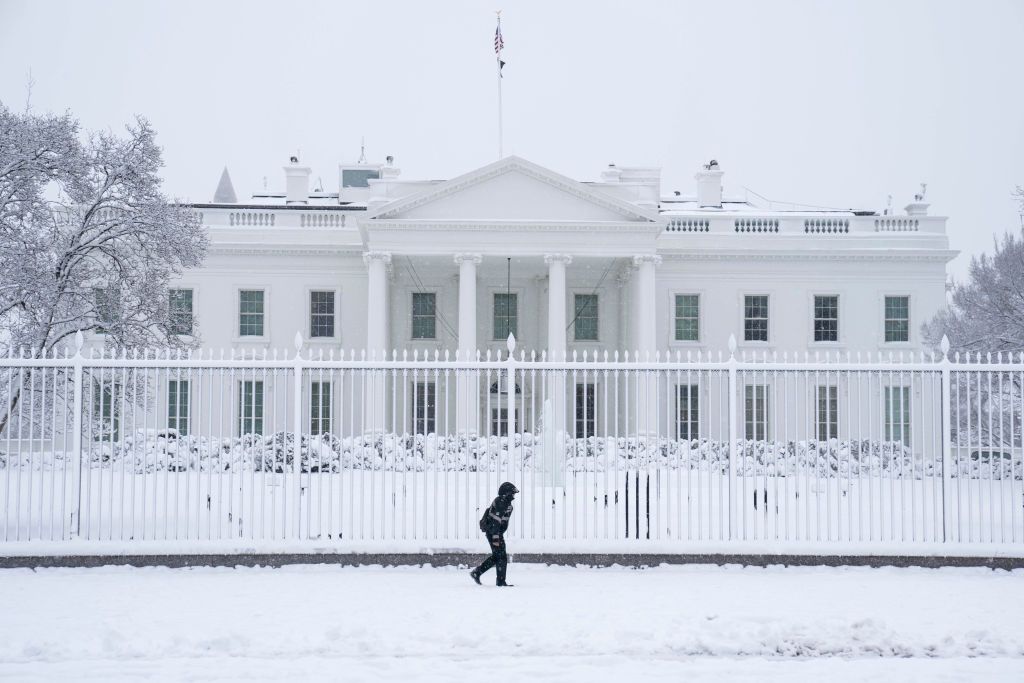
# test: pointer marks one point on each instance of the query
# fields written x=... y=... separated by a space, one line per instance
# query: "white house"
x=390 y=266
x=384 y=263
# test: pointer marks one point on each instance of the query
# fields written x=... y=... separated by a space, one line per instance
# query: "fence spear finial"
x=510 y=343
x=944 y=346
x=79 y=342
x=732 y=345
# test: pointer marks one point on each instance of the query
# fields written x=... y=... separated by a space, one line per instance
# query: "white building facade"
x=386 y=264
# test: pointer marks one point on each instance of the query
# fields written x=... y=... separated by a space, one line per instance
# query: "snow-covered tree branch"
x=87 y=239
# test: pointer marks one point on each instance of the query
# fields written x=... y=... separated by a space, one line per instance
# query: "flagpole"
x=501 y=132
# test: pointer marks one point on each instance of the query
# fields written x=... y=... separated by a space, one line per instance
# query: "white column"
x=645 y=334
x=556 y=304
x=377 y=302
x=374 y=381
x=467 y=304
x=644 y=305
x=557 y=407
x=467 y=385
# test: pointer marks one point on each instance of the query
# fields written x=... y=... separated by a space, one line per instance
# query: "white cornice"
x=505 y=226
x=940 y=256
x=279 y=249
x=507 y=165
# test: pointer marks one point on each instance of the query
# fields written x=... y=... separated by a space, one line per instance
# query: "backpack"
x=483 y=520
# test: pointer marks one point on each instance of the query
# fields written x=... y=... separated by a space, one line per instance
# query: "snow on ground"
x=558 y=624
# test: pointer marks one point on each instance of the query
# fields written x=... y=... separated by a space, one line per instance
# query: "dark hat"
x=507 y=489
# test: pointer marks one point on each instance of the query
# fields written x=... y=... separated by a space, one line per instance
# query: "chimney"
x=918 y=207
x=296 y=182
x=709 y=186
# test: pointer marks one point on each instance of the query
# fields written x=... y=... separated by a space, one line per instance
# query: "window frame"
x=424 y=407
x=238 y=312
x=576 y=318
x=176 y=412
x=910 y=327
x=99 y=303
x=115 y=390
x=335 y=309
x=319 y=422
x=768 y=319
x=832 y=411
x=413 y=315
x=586 y=418
x=751 y=422
x=888 y=413
x=172 y=328
x=693 y=404
x=674 y=308
x=814 y=319
x=514 y=328
x=258 y=392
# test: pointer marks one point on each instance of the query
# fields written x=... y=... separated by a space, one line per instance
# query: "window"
x=177 y=405
x=897 y=414
x=106 y=411
x=506 y=315
x=687 y=412
x=826 y=318
x=586 y=407
x=179 y=314
x=358 y=177
x=250 y=313
x=424 y=408
x=687 y=317
x=107 y=301
x=319 y=408
x=897 y=318
x=250 y=407
x=424 y=315
x=586 y=317
x=755 y=318
x=828 y=413
x=321 y=314
x=755 y=412
x=499 y=421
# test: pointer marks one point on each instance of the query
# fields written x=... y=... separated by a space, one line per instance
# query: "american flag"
x=498 y=42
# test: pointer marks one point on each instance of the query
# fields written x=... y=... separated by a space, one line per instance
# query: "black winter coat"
x=495 y=519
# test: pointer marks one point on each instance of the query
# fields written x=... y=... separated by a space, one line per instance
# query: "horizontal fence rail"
x=686 y=448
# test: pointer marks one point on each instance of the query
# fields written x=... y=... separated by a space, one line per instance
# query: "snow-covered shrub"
x=166 y=450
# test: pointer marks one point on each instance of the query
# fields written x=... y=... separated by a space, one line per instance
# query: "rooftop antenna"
x=888 y=205
x=264 y=182
x=362 y=150
x=920 y=196
x=319 y=184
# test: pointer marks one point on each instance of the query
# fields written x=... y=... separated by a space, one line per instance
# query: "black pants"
x=498 y=558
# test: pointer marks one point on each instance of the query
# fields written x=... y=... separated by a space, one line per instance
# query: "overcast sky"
x=825 y=103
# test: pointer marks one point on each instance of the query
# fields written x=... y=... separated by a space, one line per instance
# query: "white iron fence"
x=688 y=448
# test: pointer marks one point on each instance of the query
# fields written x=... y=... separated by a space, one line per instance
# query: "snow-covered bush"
x=166 y=450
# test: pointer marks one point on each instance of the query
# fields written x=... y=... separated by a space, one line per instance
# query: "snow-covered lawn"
x=558 y=623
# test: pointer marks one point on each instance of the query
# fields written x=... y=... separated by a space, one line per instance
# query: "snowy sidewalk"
x=565 y=624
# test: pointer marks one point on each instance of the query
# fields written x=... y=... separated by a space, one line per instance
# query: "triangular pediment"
x=513 y=190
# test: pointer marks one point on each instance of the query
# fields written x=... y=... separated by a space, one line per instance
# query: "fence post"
x=76 y=432
x=297 y=448
x=731 y=364
x=947 y=459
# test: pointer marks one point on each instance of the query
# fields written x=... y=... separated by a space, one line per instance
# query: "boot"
x=476 y=577
x=502 y=584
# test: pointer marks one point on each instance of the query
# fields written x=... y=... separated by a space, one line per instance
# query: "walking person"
x=494 y=523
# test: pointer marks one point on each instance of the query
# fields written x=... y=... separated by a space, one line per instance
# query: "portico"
x=583 y=261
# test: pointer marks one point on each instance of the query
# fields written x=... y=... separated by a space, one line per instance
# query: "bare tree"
x=87 y=239
x=986 y=315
